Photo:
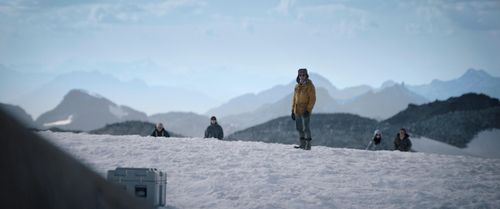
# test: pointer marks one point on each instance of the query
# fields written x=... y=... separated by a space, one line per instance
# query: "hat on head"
x=302 y=70
x=213 y=118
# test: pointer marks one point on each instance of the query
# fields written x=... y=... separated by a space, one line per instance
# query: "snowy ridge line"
x=208 y=173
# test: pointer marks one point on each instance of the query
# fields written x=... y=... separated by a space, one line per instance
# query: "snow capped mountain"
x=208 y=173
x=62 y=122
x=81 y=111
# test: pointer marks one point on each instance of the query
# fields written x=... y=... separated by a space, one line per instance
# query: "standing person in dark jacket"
x=377 y=138
x=402 y=141
x=304 y=98
x=214 y=130
x=160 y=131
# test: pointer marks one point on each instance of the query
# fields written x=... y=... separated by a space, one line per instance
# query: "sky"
x=227 y=48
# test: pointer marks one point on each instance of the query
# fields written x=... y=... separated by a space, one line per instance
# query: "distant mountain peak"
x=473 y=80
x=81 y=93
x=78 y=91
x=81 y=110
x=387 y=84
x=476 y=73
x=436 y=81
x=317 y=78
x=397 y=87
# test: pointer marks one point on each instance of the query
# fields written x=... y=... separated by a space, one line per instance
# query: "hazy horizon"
x=225 y=49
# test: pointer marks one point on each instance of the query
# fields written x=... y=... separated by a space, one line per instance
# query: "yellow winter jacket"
x=304 y=98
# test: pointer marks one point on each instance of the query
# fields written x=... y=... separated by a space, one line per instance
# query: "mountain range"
x=454 y=121
x=477 y=81
x=250 y=102
x=471 y=81
x=373 y=104
x=81 y=110
x=377 y=103
x=133 y=93
x=242 y=112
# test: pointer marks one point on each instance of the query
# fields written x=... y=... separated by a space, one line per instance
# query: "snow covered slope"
x=208 y=173
x=424 y=144
x=486 y=144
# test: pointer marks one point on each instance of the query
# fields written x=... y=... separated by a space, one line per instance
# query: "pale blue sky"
x=228 y=48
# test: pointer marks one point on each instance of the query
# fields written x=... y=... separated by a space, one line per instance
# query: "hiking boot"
x=302 y=144
x=308 y=144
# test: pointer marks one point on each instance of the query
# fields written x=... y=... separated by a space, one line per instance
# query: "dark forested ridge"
x=454 y=121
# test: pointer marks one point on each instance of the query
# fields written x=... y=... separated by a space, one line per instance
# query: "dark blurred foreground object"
x=36 y=174
x=149 y=184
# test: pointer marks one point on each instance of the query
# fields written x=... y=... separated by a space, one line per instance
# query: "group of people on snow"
x=304 y=98
x=214 y=130
x=402 y=141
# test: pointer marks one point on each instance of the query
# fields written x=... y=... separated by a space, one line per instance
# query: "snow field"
x=208 y=173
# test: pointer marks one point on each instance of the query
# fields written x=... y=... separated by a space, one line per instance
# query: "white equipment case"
x=149 y=184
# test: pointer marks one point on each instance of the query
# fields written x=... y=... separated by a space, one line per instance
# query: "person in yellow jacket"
x=304 y=98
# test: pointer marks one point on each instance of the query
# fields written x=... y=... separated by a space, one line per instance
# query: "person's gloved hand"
x=307 y=113
x=293 y=116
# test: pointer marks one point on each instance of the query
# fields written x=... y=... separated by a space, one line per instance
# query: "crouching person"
x=402 y=141
x=214 y=130
x=160 y=131
x=377 y=138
